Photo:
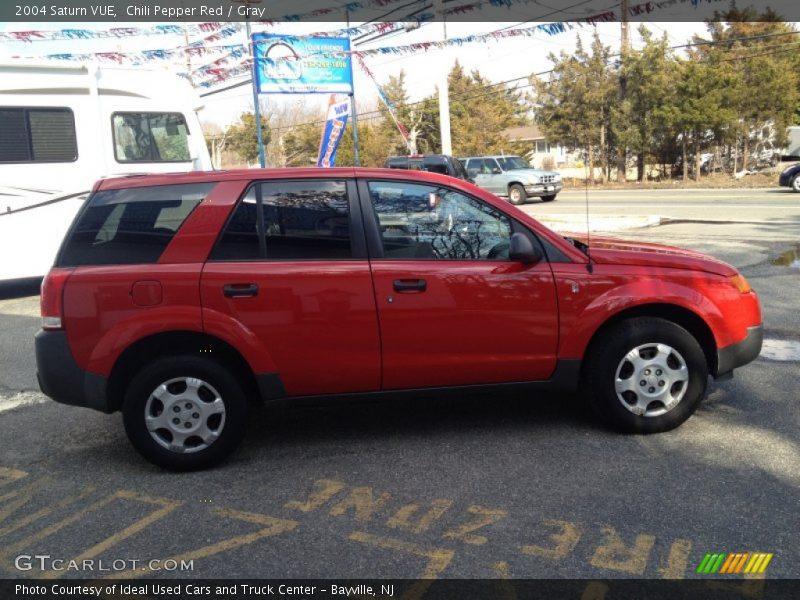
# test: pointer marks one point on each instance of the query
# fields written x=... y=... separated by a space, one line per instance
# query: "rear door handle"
x=240 y=290
x=410 y=285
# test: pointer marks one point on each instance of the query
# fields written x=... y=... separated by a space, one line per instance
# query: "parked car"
x=790 y=177
x=434 y=163
x=177 y=299
x=513 y=177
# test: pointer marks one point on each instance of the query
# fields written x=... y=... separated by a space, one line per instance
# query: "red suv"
x=177 y=299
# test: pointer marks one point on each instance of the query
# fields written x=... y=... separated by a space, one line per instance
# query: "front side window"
x=509 y=163
x=130 y=226
x=299 y=220
x=429 y=222
x=37 y=135
x=150 y=137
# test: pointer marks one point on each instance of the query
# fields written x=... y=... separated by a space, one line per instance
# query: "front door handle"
x=410 y=285
x=240 y=290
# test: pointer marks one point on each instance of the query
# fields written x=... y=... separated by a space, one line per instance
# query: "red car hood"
x=610 y=251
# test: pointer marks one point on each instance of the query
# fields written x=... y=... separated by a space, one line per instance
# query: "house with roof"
x=539 y=146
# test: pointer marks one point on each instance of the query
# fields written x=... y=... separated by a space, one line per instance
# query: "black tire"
x=608 y=353
x=231 y=427
x=549 y=198
x=517 y=194
x=796 y=183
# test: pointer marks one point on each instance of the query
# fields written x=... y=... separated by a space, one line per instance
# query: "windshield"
x=509 y=163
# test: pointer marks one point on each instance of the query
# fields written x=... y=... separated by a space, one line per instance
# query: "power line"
x=375 y=114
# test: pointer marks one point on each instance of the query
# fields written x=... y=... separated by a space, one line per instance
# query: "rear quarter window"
x=129 y=226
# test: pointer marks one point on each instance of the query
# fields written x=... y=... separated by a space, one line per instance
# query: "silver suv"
x=513 y=177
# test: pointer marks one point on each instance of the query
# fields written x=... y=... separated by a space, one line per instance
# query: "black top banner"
x=575 y=11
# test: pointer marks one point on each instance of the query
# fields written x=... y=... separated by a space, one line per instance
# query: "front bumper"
x=741 y=353
x=785 y=179
x=62 y=379
x=544 y=189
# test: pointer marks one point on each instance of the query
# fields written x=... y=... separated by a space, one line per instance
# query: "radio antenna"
x=589 y=266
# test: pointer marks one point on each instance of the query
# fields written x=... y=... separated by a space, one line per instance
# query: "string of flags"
x=232 y=59
x=113 y=33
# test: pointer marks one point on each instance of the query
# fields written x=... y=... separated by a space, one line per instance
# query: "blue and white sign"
x=291 y=65
x=332 y=131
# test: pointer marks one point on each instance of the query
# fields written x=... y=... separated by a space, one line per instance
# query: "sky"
x=501 y=60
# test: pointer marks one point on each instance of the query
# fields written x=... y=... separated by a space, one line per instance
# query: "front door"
x=453 y=309
x=295 y=276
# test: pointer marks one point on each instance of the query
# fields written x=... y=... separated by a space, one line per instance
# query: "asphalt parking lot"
x=473 y=487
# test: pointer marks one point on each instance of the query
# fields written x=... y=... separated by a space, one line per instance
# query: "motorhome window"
x=150 y=137
x=130 y=226
x=29 y=134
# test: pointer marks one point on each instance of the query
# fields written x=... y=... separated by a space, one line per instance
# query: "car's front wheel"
x=517 y=194
x=796 y=183
x=184 y=412
x=646 y=375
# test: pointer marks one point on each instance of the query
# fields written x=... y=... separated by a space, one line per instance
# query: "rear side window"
x=298 y=220
x=37 y=135
x=130 y=226
x=150 y=137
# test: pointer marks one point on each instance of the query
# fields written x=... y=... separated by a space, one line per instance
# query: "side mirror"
x=496 y=171
x=521 y=249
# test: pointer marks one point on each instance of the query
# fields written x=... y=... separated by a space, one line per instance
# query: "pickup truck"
x=513 y=178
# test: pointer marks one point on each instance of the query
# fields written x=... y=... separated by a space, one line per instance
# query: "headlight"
x=533 y=180
x=740 y=283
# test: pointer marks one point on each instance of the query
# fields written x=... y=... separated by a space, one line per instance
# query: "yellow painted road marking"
x=615 y=555
x=565 y=541
x=402 y=519
x=438 y=559
x=271 y=526
x=324 y=490
x=40 y=514
x=363 y=501
x=19 y=498
x=484 y=517
x=166 y=507
x=677 y=560
x=8 y=475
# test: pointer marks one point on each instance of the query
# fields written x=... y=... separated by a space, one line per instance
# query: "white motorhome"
x=63 y=127
x=792 y=150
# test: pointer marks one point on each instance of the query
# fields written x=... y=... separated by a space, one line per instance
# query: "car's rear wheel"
x=549 y=198
x=184 y=412
x=646 y=375
x=516 y=194
x=796 y=183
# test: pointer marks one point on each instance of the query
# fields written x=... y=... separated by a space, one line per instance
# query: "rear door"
x=453 y=309
x=291 y=269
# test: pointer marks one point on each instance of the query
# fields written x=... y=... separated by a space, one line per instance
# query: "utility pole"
x=622 y=166
x=262 y=158
x=444 y=95
x=353 y=110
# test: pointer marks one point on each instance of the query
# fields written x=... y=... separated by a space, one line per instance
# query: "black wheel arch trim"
x=62 y=379
x=741 y=353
